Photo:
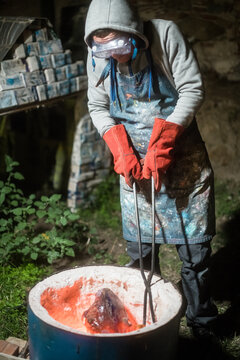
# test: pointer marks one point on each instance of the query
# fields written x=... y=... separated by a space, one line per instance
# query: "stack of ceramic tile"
x=39 y=69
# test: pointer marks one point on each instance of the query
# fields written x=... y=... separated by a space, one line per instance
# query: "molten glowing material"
x=102 y=312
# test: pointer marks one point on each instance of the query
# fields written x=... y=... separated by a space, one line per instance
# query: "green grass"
x=123 y=259
x=15 y=282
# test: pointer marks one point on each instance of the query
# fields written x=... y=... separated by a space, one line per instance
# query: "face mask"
x=119 y=46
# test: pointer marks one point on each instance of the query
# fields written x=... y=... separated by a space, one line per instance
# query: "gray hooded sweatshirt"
x=170 y=52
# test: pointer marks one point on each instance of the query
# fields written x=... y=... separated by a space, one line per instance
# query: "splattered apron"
x=185 y=204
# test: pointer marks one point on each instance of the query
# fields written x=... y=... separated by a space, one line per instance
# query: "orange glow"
x=67 y=305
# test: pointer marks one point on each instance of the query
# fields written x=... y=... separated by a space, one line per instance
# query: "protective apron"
x=185 y=211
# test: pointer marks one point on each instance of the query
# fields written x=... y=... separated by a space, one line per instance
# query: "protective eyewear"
x=118 y=46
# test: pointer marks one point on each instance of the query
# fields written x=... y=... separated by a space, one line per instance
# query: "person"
x=144 y=90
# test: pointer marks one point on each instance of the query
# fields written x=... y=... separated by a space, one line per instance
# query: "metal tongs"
x=147 y=280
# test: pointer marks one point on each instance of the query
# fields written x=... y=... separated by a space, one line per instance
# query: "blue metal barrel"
x=50 y=340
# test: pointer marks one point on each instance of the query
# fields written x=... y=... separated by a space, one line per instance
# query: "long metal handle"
x=150 y=275
x=153 y=227
x=147 y=281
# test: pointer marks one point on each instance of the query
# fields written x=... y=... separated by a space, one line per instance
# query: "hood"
x=113 y=14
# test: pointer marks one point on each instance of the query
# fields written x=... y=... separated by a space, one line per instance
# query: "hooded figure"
x=145 y=88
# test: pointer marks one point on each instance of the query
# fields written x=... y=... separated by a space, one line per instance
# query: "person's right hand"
x=126 y=162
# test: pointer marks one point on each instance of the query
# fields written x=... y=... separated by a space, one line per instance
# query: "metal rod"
x=147 y=282
x=153 y=228
x=150 y=275
x=138 y=231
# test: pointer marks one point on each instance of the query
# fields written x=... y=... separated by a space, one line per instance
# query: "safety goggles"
x=118 y=46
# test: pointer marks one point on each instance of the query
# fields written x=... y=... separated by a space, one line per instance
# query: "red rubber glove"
x=160 y=150
x=125 y=160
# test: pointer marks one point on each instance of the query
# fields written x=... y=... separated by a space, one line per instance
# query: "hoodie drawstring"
x=109 y=69
x=113 y=80
x=104 y=74
x=149 y=59
x=93 y=63
x=135 y=49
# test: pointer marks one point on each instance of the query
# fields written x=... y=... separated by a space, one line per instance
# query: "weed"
x=34 y=229
x=123 y=259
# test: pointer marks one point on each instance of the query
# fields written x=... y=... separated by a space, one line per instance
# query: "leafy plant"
x=33 y=228
x=15 y=282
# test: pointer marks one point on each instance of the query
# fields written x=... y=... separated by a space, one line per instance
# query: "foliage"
x=15 y=282
x=31 y=228
x=104 y=208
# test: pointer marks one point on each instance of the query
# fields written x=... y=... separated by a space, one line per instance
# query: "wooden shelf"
x=38 y=104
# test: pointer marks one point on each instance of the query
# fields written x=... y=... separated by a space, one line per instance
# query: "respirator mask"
x=121 y=45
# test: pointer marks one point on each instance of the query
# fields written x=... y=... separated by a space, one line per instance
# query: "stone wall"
x=213 y=28
x=90 y=163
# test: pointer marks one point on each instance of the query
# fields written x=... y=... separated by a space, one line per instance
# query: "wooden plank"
x=8 y=348
x=9 y=357
x=11 y=349
x=37 y=104
x=2 y=345
x=16 y=341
